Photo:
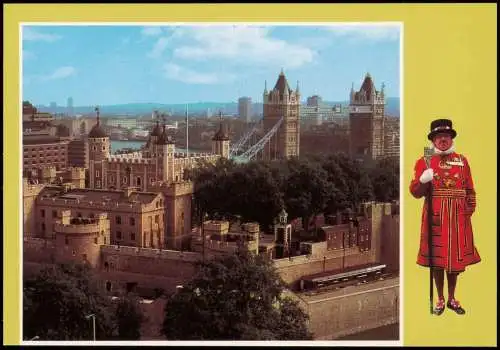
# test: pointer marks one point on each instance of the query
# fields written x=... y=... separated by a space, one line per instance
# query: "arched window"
x=138 y=181
x=108 y=286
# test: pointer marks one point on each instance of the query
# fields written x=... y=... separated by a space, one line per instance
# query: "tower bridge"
x=280 y=123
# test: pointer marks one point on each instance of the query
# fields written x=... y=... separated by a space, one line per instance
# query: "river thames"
x=120 y=144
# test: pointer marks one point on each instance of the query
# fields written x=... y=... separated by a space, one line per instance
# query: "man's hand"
x=427 y=176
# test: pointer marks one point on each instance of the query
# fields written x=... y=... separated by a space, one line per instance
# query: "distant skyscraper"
x=314 y=101
x=245 y=108
x=69 y=109
x=209 y=113
x=53 y=107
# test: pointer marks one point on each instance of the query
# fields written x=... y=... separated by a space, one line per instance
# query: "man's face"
x=442 y=141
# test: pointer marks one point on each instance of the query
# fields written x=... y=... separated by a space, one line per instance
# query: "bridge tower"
x=366 y=121
x=282 y=102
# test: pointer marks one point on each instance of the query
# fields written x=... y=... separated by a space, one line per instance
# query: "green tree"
x=236 y=297
x=211 y=185
x=57 y=301
x=338 y=200
x=357 y=177
x=385 y=179
x=258 y=195
x=129 y=318
x=307 y=190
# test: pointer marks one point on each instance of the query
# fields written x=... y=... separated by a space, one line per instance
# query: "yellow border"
x=449 y=70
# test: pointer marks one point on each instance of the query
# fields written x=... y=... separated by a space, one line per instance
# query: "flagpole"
x=187 y=131
x=430 y=212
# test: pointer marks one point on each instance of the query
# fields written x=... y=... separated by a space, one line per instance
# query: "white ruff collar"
x=448 y=151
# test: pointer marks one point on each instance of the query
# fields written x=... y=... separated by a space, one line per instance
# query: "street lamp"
x=93 y=321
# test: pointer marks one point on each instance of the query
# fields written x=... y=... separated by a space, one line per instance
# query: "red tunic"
x=453 y=202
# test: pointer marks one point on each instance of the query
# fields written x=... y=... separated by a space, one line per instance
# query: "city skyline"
x=189 y=64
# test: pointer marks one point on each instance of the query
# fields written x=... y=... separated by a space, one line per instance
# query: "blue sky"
x=102 y=65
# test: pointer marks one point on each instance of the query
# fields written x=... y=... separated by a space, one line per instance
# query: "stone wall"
x=352 y=310
x=389 y=246
x=30 y=193
x=293 y=269
x=149 y=268
x=38 y=250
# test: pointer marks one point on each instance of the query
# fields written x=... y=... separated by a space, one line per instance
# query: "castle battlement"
x=104 y=205
x=89 y=228
x=251 y=227
x=31 y=189
x=150 y=253
x=196 y=155
x=122 y=158
x=174 y=188
x=214 y=226
x=37 y=243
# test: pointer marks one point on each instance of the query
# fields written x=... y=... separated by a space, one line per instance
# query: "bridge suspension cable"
x=234 y=150
x=252 y=151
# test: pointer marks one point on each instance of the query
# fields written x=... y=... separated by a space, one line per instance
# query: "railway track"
x=351 y=282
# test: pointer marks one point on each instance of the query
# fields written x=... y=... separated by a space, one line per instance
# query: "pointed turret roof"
x=282 y=84
x=156 y=130
x=221 y=134
x=164 y=138
x=97 y=131
x=368 y=86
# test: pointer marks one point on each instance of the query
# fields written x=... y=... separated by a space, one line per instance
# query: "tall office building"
x=314 y=101
x=245 y=109
x=69 y=110
x=53 y=107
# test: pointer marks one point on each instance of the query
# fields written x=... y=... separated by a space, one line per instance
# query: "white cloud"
x=367 y=32
x=60 y=73
x=151 y=31
x=30 y=34
x=251 y=45
x=186 y=75
x=159 y=47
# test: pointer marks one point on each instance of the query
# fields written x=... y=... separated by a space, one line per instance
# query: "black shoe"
x=455 y=306
x=439 y=308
